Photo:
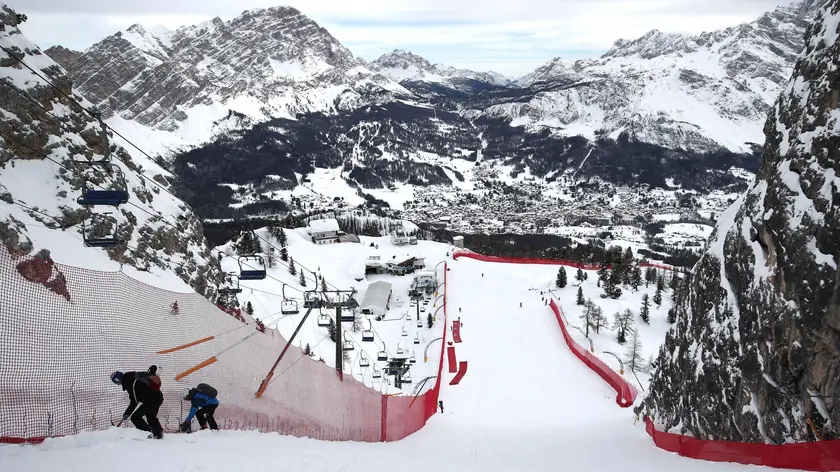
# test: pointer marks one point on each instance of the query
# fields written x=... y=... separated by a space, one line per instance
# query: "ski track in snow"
x=526 y=404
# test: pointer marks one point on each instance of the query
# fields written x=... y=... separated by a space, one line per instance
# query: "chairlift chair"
x=364 y=361
x=110 y=197
x=323 y=320
x=404 y=331
x=412 y=359
x=251 y=273
x=400 y=350
x=348 y=345
x=416 y=339
x=311 y=300
x=93 y=240
x=233 y=288
x=347 y=316
x=419 y=324
x=367 y=336
x=288 y=306
x=377 y=374
x=382 y=356
x=406 y=379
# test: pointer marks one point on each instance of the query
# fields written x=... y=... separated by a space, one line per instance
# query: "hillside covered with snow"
x=402 y=65
x=754 y=355
x=48 y=139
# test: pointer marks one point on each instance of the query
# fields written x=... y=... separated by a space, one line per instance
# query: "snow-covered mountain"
x=754 y=356
x=694 y=92
x=188 y=83
x=402 y=65
x=45 y=139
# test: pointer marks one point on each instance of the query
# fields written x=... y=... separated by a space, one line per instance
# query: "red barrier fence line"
x=817 y=456
x=453 y=364
x=626 y=392
x=532 y=260
x=456 y=331
x=462 y=371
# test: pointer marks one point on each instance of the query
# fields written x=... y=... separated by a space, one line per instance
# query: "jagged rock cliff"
x=755 y=353
x=45 y=139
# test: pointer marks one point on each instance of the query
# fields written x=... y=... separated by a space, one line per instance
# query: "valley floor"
x=526 y=403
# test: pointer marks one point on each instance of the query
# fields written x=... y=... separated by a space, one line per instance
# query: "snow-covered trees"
x=657 y=297
x=302 y=279
x=292 y=268
x=580 y=299
x=561 y=277
x=284 y=254
x=580 y=276
x=622 y=323
x=636 y=278
x=644 y=313
x=633 y=359
x=331 y=329
x=249 y=308
x=430 y=321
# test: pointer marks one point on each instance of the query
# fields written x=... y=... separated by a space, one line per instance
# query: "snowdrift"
x=67 y=329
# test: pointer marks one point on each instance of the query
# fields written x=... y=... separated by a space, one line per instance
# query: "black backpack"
x=207 y=390
x=151 y=381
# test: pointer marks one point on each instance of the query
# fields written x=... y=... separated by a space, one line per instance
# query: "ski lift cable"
x=173 y=174
x=78 y=174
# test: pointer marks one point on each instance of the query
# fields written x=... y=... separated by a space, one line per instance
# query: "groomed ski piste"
x=525 y=403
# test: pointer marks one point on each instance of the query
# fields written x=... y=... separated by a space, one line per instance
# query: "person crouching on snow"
x=203 y=404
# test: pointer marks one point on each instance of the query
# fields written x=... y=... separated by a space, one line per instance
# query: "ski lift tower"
x=343 y=299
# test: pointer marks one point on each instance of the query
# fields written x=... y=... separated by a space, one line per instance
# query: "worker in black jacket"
x=142 y=388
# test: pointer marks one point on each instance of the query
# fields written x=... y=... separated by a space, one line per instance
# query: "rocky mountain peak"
x=399 y=58
x=754 y=355
x=651 y=44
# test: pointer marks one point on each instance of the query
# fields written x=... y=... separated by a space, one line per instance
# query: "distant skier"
x=144 y=389
x=440 y=402
x=203 y=403
x=520 y=304
x=459 y=309
x=482 y=275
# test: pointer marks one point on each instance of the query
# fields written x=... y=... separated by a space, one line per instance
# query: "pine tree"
x=644 y=313
x=245 y=245
x=561 y=277
x=622 y=323
x=636 y=279
x=598 y=319
x=580 y=276
x=281 y=237
x=628 y=256
x=307 y=350
x=602 y=275
x=284 y=254
x=292 y=268
x=672 y=315
x=657 y=297
x=587 y=316
x=323 y=284
x=430 y=321
x=580 y=299
x=332 y=331
x=249 y=308
x=660 y=283
x=302 y=279
x=650 y=276
x=675 y=281
x=271 y=257
x=633 y=359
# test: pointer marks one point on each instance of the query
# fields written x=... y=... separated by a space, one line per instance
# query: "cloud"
x=512 y=37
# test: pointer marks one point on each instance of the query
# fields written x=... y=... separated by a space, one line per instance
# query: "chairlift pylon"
x=251 y=273
x=93 y=240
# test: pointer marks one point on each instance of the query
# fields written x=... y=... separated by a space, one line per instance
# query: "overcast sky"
x=512 y=37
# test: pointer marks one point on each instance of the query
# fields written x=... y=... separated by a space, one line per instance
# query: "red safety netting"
x=820 y=456
x=529 y=260
x=626 y=392
x=66 y=329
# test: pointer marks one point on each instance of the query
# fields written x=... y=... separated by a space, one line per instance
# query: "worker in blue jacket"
x=202 y=406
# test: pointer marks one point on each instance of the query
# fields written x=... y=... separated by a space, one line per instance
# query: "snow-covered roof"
x=376 y=297
x=323 y=226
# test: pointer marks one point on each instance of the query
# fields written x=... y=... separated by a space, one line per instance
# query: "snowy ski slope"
x=526 y=404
